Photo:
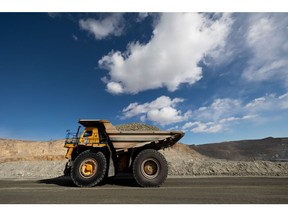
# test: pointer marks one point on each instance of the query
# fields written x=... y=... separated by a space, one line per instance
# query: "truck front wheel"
x=89 y=169
x=150 y=168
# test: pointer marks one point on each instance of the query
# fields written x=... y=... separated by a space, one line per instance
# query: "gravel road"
x=211 y=190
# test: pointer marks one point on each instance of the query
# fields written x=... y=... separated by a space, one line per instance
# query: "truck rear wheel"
x=150 y=168
x=89 y=169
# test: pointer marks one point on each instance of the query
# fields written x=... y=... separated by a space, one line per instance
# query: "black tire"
x=150 y=168
x=89 y=169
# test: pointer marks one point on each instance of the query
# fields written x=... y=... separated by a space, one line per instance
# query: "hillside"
x=25 y=150
x=34 y=159
x=268 y=149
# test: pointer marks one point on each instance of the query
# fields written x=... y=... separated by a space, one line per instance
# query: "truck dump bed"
x=124 y=140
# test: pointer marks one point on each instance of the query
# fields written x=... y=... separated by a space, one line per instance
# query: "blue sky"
x=216 y=76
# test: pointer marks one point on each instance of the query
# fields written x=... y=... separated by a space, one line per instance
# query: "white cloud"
x=54 y=15
x=188 y=125
x=179 y=42
x=102 y=28
x=166 y=115
x=220 y=108
x=74 y=37
x=222 y=114
x=217 y=117
x=284 y=101
x=266 y=38
x=162 y=111
x=269 y=102
x=217 y=126
x=142 y=16
x=209 y=127
x=115 y=87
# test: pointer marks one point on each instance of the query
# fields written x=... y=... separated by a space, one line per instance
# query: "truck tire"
x=89 y=169
x=150 y=168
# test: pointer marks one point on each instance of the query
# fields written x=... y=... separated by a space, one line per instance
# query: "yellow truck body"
x=102 y=151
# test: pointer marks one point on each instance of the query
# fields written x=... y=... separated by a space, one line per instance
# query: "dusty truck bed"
x=123 y=140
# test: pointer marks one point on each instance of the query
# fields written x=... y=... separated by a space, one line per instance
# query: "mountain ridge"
x=268 y=148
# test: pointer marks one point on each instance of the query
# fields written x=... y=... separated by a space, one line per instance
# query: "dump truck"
x=102 y=151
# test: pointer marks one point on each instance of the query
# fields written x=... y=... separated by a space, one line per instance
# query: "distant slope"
x=264 y=149
x=25 y=150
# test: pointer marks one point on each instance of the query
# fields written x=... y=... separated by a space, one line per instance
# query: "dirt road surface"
x=176 y=190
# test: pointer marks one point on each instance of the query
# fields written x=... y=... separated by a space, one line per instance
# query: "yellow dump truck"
x=102 y=151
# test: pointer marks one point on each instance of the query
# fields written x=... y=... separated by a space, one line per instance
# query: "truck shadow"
x=122 y=181
x=66 y=181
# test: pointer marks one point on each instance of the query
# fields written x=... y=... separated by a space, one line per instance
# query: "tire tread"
x=102 y=162
x=157 y=181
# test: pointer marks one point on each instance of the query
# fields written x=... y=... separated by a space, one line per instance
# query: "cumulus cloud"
x=179 y=42
x=219 y=116
x=222 y=114
x=102 y=28
x=266 y=38
x=162 y=111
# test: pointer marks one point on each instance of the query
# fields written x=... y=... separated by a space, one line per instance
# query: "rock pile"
x=184 y=161
x=137 y=127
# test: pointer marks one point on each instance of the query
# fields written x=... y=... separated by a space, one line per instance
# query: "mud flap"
x=111 y=171
x=67 y=169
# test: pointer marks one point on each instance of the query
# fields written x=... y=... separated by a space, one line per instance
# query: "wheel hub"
x=150 y=168
x=88 y=168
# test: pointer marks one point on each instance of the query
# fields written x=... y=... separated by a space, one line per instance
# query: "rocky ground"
x=184 y=162
x=30 y=159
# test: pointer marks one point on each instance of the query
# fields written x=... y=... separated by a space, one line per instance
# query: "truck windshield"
x=87 y=134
